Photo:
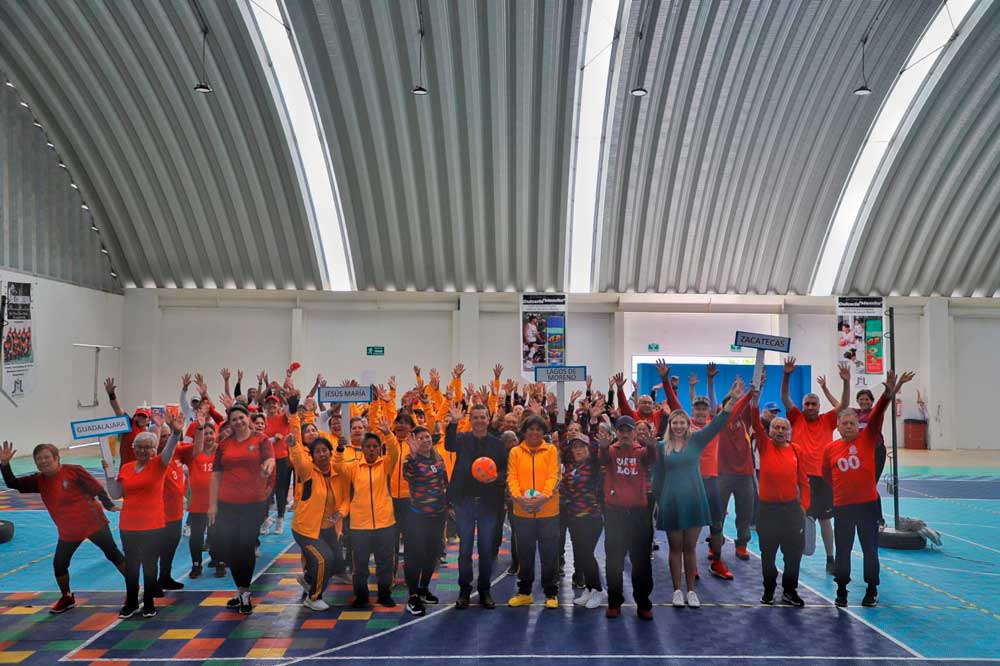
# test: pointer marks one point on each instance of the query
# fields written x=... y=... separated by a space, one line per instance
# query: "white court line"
x=973 y=543
x=69 y=655
x=988 y=527
x=931 y=566
x=584 y=657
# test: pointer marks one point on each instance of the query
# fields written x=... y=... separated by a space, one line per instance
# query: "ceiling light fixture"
x=62 y=165
x=74 y=186
x=50 y=144
x=638 y=90
x=863 y=90
x=104 y=250
x=84 y=206
x=113 y=274
x=94 y=228
x=203 y=86
x=25 y=105
x=9 y=84
x=36 y=124
x=418 y=87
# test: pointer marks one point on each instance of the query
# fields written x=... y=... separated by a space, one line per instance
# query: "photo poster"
x=18 y=341
x=860 y=339
x=543 y=331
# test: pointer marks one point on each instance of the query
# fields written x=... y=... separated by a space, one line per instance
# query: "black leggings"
x=237 y=526
x=424 y=543
x=584 y=533
x=282 y=480
x=323 y=558
x=101 y=538
x=381 y=543
x=168 y=548
x=199 y=523
x=142 y=550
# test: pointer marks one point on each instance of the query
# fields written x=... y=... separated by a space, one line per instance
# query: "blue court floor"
x=936 y=606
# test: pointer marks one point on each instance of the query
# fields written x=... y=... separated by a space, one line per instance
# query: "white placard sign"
x=561 y=373
x=344 y=394
x=763 y=341
x=92 y=428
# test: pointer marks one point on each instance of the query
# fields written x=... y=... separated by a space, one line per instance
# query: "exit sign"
x=375 y=351
x=735 y=348
x=653 y=346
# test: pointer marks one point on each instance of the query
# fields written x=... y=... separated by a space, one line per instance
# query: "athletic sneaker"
x=720 y=570
x=551 y=602
x=678 y=600
x=613 y=612
x=265 y=527
x=597 y=599
x=521 y=600
x=414 y=606
x=427 y=597
x=742 y=553
x=767 y=598
x=462 y=602
x=195 y=571
x=149 y=611
x=583 y=598
x=65 y=602
x=841 y=599
x=220 y=570
x=245 y=606
x=871 y=598
x=693 y=600
x=128 y=611
x=486 y=601
x=186 y=531
x=171 y=584
x=792 y=598
x=830 y=568
x=645 y=613
x=315 y=604
x=279 y=526
x=234 y=603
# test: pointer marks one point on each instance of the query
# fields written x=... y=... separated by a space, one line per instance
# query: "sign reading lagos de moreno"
x=561 y=373
x=91 y=428
x=762 y=341
x=345 y=394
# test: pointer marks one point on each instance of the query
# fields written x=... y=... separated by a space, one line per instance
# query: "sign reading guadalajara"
x=91 y=428
x=762 y=341
x=344 y=394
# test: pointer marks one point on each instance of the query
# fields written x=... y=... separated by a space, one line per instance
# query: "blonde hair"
x=678 y=412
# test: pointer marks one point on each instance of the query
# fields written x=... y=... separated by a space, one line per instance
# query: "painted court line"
x=973 y=543
x=528 y=657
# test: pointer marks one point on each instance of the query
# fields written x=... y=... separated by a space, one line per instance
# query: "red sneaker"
x=65 y=602
x=741 y=552
x=720 y=570
x=711 y=554
x=645 y=613
x=613 y=612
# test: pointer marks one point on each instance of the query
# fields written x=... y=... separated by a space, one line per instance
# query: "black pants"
x=196 y=543
x=584 y=533
x=168 y=547
x=322 y=559
x=741 y=488
x=101 y=538
x=627 y=532
x=401 y=510
x=863 y=519
x=382 y=544
x=237 y=526
x=780 y=525
x=541 y=534
x=424 y=543
x=142 y=551
x=282 y=480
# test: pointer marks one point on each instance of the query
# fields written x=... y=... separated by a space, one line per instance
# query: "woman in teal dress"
x=682 y=503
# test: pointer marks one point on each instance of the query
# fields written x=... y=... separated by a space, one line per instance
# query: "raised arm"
x=176 y=433
x=668 y=388
x=786 y=379
x=713 y=403
x=821 y=380
x=735 y=399
x=24 y=484
x=623 y=406
x=761 y=436
x=844 y=370
x=109 y=386
x=183 y=401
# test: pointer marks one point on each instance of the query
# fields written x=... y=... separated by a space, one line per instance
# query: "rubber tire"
x=900 y=540
x=6 y=531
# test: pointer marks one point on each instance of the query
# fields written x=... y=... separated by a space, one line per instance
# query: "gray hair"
x=146 y=435
x=509 y=435
x=810 y=395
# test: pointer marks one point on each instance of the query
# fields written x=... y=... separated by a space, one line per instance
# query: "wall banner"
x=18 y=342
x=859 y=334
x=543 y=331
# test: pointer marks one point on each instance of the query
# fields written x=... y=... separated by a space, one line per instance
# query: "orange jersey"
x=850 y=466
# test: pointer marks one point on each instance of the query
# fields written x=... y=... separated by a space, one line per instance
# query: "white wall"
x=976 y=368
x=63 y=314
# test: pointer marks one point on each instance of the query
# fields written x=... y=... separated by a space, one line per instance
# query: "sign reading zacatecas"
x=344 y=394
x=91 y=428
x=762 y=341
x=561 y=373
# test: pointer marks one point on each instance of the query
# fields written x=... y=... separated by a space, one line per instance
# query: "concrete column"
x=140 y=349
x=298 y=344
x=618 y=360
x=465 y=339
x=936 y=356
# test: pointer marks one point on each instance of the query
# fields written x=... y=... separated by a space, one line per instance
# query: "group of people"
x=16 y=345
x=408 y=469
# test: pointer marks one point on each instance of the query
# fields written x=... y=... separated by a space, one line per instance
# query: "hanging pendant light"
x=203 y=86
x=863 y=90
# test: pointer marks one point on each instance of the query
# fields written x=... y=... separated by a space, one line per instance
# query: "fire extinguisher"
x=899 y=407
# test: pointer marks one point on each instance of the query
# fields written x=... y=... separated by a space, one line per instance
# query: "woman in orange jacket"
x=373 y=523
x=533 y=480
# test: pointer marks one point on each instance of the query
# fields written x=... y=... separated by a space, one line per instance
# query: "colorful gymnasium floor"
x=937 y=606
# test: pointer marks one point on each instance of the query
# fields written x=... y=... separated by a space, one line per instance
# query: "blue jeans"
x=472 y=513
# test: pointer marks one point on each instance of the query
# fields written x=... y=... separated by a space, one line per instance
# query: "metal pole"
x=895 y=445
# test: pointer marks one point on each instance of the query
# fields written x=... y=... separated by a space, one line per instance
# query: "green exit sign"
x=375 y=351
x=653 y=346
x=735 y=348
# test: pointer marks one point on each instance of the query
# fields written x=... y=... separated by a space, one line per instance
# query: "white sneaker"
x=583 y=598
x=279 y=526
x=186 y=531
x=316 y=604
x=678 y=599
x=597 y=599
x=289 y=504
x=693 y=600
x=301 y=580
x=265 y=527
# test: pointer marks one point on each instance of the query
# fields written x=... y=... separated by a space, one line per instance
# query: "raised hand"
x=384 y=426
x=574 y=396
x=712 y=370
x=109 y=385
x=186 y=380
x=392 y=382
x=675 y=382
x=497 y=370
x=693 y=379
x=225 y=374
x=737 y=389
x=470 y=389
x=456 y=412
x=821 y=380
x=416 y=371
x=602 y=440
x=789 y=365
x=904 y=378
x=619 y=380
x=177 y=423
x=239 y=376
x=844 y=370
x=226 y=401
x=435 y=378
x=457 y=372
x=199 y=379
x=7 y=452
x=261 y=377
x=290 y=440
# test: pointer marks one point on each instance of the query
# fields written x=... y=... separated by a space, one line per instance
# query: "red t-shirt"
x=69 y=497
x=782 y=473
x=199 y=476
x=812 y=437
x=239 y=462
x=142 y=507
x=125 y=452
x=735 y=456
x=850 y=466
x=277 y=426
x=174 y=490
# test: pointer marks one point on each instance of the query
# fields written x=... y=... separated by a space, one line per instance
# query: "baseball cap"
x=625 y=422
x=581 y=439
x=771 y=407
x=700 y=400
x=272 y=397
x=141 y=411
